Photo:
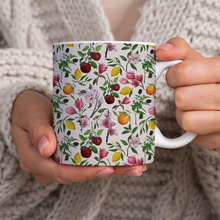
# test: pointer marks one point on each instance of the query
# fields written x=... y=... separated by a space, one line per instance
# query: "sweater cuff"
x=6 y=106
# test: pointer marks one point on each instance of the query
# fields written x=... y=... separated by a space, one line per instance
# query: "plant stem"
x=94 y=110
x=107 y=137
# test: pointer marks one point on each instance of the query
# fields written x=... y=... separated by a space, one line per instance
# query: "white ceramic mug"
x=104 y=103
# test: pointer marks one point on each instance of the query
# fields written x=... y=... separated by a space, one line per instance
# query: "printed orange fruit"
x=67 y=89
x=123 y=119
x=150 y=90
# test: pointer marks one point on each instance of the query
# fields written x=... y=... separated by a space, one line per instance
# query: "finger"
x=41 y=179
x=176 y=49
x=198 y=97
x=199 y=122
x=35 y=116
x=210 y=141
x=194 y=72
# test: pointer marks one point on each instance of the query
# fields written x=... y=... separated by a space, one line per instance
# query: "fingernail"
x=166 y=47
x=144 y=168
x=104 y=173
x=132 y=172
x=42 y=144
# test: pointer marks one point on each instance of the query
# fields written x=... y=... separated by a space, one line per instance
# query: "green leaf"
x=95 y=81
x=90 y=86
x=112 y=65
x=80 y=53
x=94 y=149
x=134 y=130
x=115 y=80
x=113 y=150
x=83 y=162
x=133 y=149
x=133 y=66
x=130 y=94
x=99 y=132
x=123 y=58
x=117 y=60
x=125 y=132
x=124 y=142
x=102 y=88
x=102 y=110
x=82 y=138
x=62 y=46
x=93 y=64
x=105 y=83
x=102 y=161
x=117 y=164
x=125 y=48
x=115 y=94
x=98 y=48
x=85 y=48
x=87 y=132
x=96 y=158
x=135 y=46
x=90 y=105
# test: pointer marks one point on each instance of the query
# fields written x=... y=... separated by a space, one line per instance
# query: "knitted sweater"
x=180 y=184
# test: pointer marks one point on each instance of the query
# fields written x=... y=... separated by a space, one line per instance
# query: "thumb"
x=36 y=116
x=176 y=49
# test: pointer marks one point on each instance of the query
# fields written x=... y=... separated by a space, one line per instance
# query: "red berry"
x=109 y=99
x=85 y=67
x=96 y=140
x=86 y=152
x=115 y=87
x=95 y=56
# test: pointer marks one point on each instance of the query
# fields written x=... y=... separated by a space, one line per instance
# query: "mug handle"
x=160 y=140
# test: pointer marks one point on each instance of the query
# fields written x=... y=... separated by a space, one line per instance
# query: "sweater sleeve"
x=21 y=70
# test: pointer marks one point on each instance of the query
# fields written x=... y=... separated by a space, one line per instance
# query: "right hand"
x=35 y=141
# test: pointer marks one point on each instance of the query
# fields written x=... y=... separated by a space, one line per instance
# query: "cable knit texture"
x=180 y=184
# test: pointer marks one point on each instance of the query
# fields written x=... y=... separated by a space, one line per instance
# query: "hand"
x=196 y=83
x=35 y=141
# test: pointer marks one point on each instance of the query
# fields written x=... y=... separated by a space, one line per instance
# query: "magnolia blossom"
x=112 y=131
x=126 y=100
x=132 y=160
x=123 y=81
x=102 y=68
x=139 y=78
x=100 y=101
x=109 y=123
x=56 y=79
x=135 y=83
x=111 y=47
x=79 y=103
x=57 y=159
x=84 y=122
x=102 y=153
x=70 y=110
x=130 y=75
x=152 y=110
x=91 y=95
x=134 y=141
x=140 y=161
x=134 y=58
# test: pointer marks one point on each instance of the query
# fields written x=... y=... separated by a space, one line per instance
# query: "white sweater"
x=180 y=184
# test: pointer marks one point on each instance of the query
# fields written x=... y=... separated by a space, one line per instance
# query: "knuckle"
x=179 y=96
x=24 y=167
x=188 y=122
x=60 y=179
x=41 y=179
x=181 y=73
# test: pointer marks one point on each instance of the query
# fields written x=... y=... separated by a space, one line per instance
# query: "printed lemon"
x=115 y=71
x=77 y=158
x=153 y=46
x=70 y=125
x=69 y=45
x=152 y=124
x=150 y=90
x=67 y=89
x=123 y=119
x=77 y=73
x=116 y=156
x=126 y=90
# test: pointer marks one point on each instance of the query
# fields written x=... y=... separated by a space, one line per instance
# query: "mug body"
x=104 y=103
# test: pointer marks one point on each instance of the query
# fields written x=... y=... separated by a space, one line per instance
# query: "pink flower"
x=134 y=141
x=132 y=160
x=123 y=81
x=112 y=131
x=102 y=153
x=140 y=161
x=79 y=103
x=56 y=79
x=152 y=110
x=57 y=159
x=70 y=110
x=139 y=78
x=91 y=95
x=134 y=58
x=111 y=47
x=107 y=122
x=102 y=68
x=84 y=122
x=135 y=83
x=100 y=101
x=130 y=75
x=126 y=100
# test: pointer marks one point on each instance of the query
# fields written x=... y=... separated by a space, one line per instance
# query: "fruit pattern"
x=103 y=103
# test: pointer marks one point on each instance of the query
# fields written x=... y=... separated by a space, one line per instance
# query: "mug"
x=104 y=103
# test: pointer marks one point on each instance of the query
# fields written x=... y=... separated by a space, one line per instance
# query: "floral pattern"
x=104 y=103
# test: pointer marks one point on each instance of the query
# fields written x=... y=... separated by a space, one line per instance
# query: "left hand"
x=197 y=90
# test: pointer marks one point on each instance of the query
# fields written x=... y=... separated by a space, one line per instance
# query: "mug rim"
x=117 y=42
